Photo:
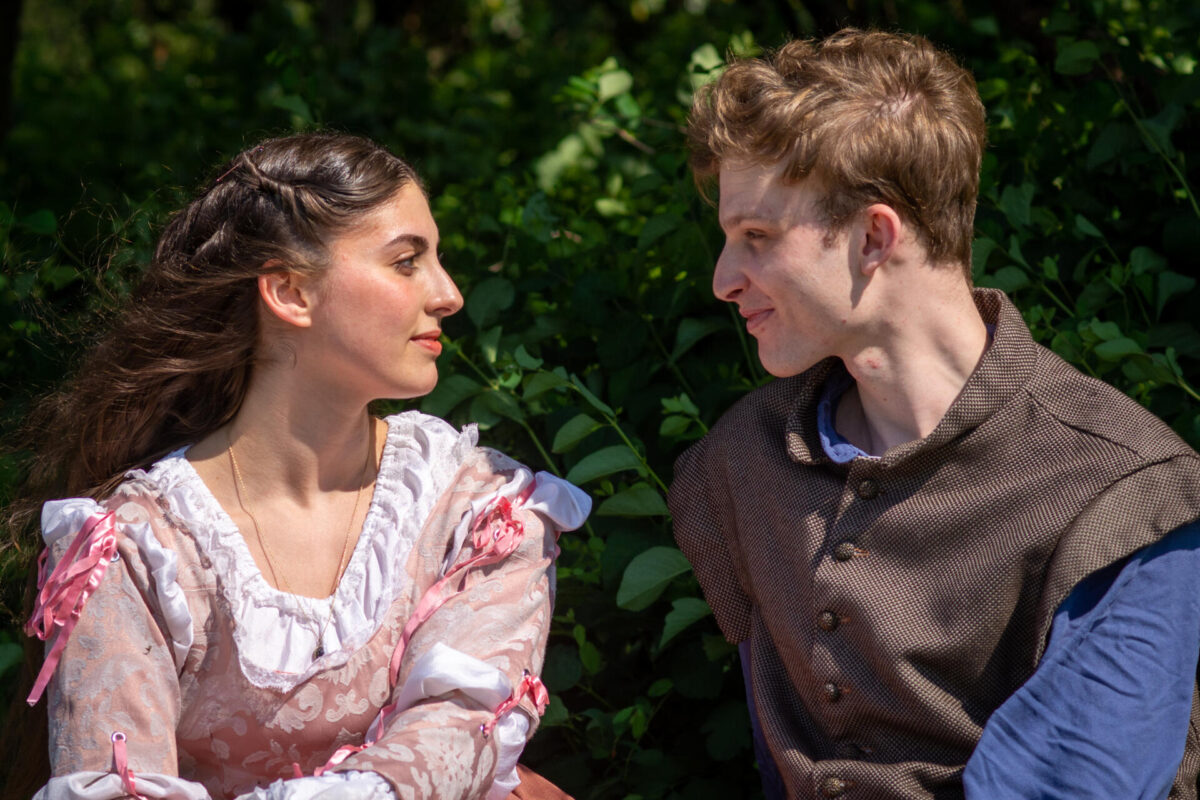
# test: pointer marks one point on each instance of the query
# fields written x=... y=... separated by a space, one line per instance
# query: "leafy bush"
x=590 y=344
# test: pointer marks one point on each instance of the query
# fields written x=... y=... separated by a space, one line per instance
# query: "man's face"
x=791 y=281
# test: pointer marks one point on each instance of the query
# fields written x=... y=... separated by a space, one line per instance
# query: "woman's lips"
x=429 y=341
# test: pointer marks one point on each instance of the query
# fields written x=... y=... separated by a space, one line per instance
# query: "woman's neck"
x=296 y=443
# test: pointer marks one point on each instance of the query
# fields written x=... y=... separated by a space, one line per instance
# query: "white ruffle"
x=277 y=632
x=66 y=517
x=442 y=670
x=108 y=786
x=352 y=785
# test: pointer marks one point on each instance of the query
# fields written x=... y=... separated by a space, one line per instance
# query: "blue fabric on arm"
x=1106 y=712
x=772 y=781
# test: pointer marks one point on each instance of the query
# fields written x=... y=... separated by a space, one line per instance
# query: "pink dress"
x=223 y=686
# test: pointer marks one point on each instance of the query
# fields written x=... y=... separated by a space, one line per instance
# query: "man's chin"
x=786 y=368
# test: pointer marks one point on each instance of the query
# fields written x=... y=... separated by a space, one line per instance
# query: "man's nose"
x=727 y=281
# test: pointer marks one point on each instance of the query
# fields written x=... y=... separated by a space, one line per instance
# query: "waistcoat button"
x=833 y=787
x=844 y=551
x=827 y=621
x=833 y=692
x=868 y=489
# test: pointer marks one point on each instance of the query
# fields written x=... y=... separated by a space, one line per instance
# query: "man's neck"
x=910 y=374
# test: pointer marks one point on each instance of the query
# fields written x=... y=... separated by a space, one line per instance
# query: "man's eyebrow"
x=417 y=242
x=734 y=220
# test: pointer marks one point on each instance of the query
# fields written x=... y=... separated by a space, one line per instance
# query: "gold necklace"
x=277 y=576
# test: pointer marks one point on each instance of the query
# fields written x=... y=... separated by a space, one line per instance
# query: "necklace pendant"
x=320 y=651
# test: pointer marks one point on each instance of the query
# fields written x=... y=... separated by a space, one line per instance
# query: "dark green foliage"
x=550 y=134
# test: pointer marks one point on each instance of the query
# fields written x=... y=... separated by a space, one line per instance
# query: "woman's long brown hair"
x=176 y=364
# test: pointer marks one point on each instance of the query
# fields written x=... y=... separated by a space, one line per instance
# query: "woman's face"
x=377 y=309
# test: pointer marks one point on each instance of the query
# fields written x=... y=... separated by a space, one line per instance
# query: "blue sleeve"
x=772 y=781
x=1106 y=712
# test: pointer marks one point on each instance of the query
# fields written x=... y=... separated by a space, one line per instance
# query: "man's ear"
x=286 y=294
x=881 y=232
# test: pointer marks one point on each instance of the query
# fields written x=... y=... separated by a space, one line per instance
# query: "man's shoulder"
x=1089 y=410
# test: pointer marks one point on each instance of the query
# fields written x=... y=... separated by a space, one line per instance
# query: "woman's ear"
x=286 y=294
x=882 y=228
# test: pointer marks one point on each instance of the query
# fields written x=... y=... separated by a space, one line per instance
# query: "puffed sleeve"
x=466 y=696
x=113 y=696
x=703 y=537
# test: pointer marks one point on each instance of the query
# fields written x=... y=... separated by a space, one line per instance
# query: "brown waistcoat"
x=893 y=604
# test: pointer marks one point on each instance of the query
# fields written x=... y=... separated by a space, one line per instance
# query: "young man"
x=953 y=564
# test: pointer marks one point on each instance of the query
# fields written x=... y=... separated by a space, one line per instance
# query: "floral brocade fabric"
x=243 y=703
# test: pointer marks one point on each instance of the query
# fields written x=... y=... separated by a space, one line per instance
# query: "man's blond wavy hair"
x=874 y=117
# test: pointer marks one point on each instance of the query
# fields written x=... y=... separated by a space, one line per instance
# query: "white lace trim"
x=276 y=632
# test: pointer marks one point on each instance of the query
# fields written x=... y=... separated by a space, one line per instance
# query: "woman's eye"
x=406 y=264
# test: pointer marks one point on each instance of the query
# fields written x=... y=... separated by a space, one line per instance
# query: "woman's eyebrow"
x=417 y=242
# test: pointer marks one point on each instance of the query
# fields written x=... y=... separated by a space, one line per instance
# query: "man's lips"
x=429 y=340
x=755 y=318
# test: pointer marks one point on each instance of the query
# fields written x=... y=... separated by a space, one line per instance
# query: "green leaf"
x=1050 y=268
x=556 y=713
x=482 y=414
x=657 y=227
x=1076 y=58
x=980 y=250
x=488 y=299
x=692 y=330
x=648 y=575
x=536 y=217
x=522 y=357
x=1082 y=225
x=1116 y=349
x=1105 y=331
x=295 y=104
x=1008 y=279
x=449 y=392
x=573 y=432
x=503 y=404
x=674 y=426
x=614 y=83
x=728 y=729
x=611 y=207
x=636 y=501
x=684 y=611
x=680 y=405
x=41 y=222
x=1159 y=127
x=592 y=400
x=589 y=656
x=1143 y=259
x=541 y=382
x=562 y=669
x=489 y=343
x=660 y=687
x=603 y=462
x=1171 y=284
x=1015 y=202
x=10 y=655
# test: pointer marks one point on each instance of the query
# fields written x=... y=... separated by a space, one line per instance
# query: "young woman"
x=262 y=590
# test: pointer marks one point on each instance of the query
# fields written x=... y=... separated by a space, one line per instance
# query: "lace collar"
x=276 y=632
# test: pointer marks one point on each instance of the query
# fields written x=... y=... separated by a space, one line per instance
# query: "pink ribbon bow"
x=62 y=595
